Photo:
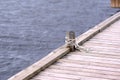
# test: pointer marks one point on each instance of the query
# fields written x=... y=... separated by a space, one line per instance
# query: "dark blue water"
x=30 y=29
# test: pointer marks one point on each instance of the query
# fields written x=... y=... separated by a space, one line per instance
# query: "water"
x=30 y=29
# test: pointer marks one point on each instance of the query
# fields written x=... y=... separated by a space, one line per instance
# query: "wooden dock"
x=100 y=59
x=115 y=3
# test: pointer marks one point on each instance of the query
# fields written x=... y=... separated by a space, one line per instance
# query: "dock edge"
x=52 y=57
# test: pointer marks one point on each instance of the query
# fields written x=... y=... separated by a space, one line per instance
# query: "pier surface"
x=30 y=29
x=101 y=61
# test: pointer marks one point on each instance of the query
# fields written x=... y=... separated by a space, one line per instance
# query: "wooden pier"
x=115 y=3
x=97 y=59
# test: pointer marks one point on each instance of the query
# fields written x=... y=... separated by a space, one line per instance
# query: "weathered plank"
x=85 y=74
x=70 y=76
x=96 y=54
x=94 y=63
x=89 y=66
x=49 y=78
x=103 y=49
x=88 y=70
x=103 y=42
x=102 y=45
x=104 y=38
x=93 y=59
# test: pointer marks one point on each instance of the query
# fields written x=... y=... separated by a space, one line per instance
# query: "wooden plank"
x=93 y=59
x=109 y=35
x=82 y=62
x=89 y=66
x=35 y=79
x=105 y=49
x=76 y=69
x=113 y=31
x=49 y=78
x=105 y=52
x=112 y=3
x=114 y=27
x=104 y=38
x=60 y=52
x=86 y=68
x=102 y=45
x=105 y=55
x=86 y=74
x=107 y=38
x=115 y=3
x=106 y=34
x=103 y=41
x=70 y=76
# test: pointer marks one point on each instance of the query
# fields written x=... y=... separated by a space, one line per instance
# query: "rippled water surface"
x=30 y=29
